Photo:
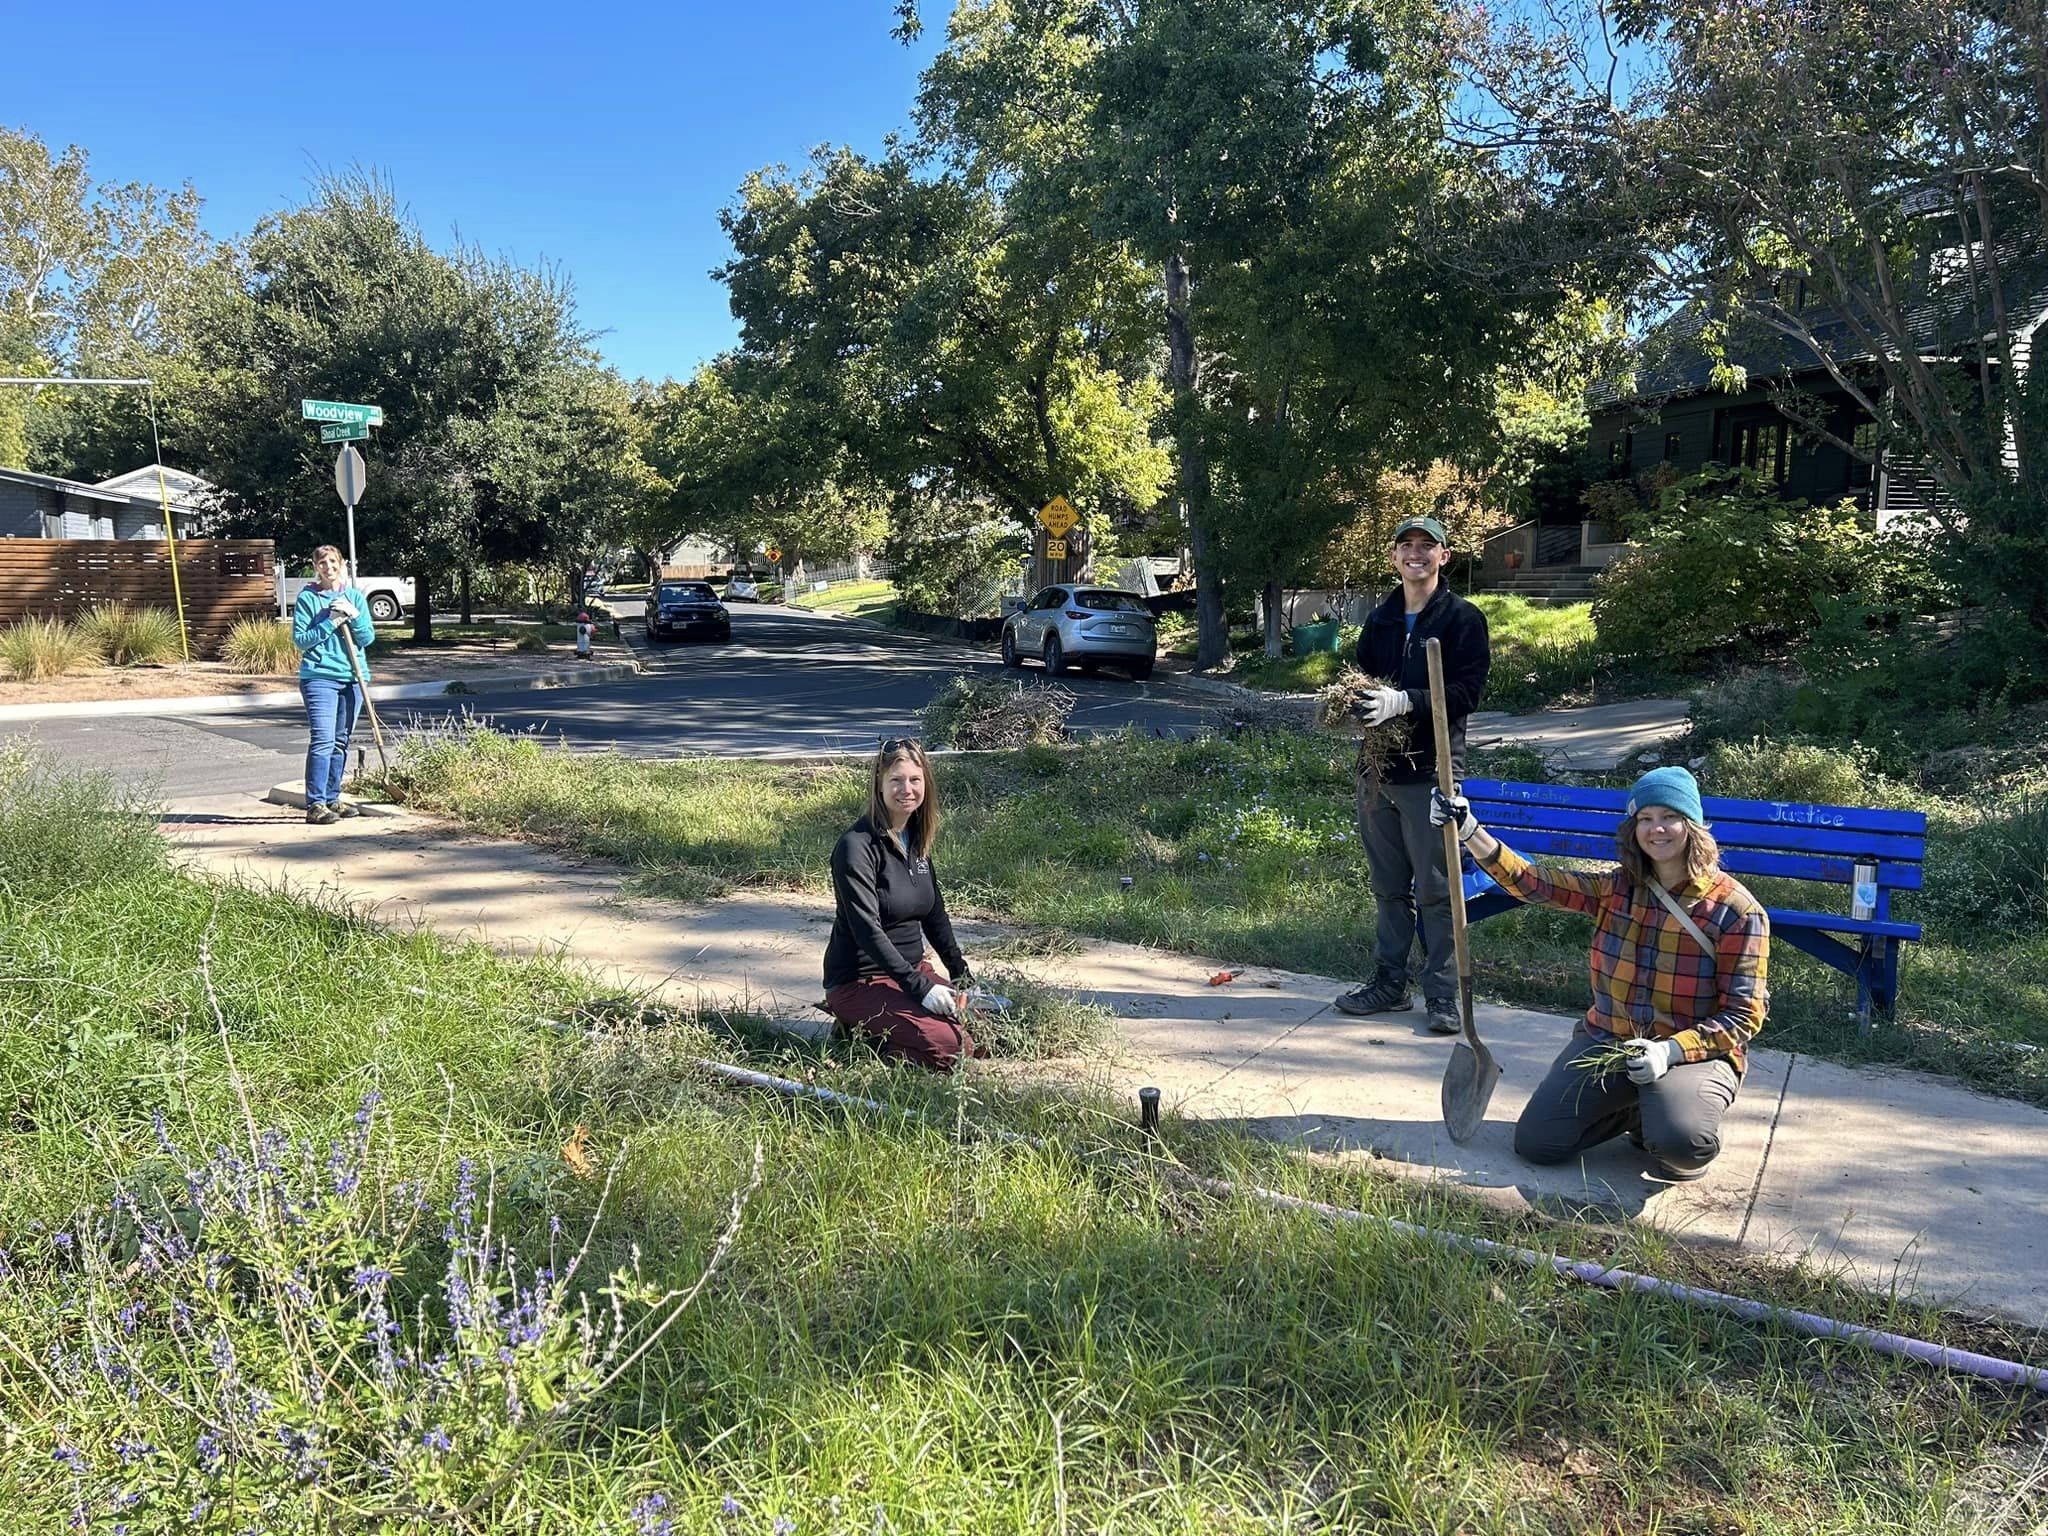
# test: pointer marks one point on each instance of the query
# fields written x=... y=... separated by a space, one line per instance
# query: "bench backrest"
x=1757 y=837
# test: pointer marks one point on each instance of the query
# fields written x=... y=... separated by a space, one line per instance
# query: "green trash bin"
x=1311 y=638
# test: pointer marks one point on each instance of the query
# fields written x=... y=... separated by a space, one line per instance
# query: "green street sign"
x=340 y=411
x=344 y=432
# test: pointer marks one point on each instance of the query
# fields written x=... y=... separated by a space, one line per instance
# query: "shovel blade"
x=1469 y=1079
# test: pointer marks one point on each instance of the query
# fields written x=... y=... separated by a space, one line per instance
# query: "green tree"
x=938 y=334
x=746 y=461
x=489 y=439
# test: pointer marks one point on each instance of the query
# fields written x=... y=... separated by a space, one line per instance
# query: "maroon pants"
x=897 y=1024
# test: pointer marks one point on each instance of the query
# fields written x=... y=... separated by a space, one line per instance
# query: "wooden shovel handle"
x=1454 y=864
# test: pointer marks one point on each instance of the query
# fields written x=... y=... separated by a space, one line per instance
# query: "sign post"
x=1058 y=518
x=345 y=423
x=351 y=474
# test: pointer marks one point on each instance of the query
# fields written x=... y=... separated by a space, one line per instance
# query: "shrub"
x=34 y=649
x=982 y=712
x=530 y=644
x=1798 y=770
x=1991 y=879
x=261 y=648
x=1727 y=567
x=132 y=637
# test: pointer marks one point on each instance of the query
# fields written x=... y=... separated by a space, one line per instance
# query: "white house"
x=129 y=506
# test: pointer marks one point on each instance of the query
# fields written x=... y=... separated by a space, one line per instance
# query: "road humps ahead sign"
x=341 y=411
x=1059 y=517
x=343 y=432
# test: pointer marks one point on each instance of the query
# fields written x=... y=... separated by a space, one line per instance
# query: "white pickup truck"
x=391 y=597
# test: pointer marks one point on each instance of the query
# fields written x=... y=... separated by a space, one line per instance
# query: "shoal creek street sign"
x=341 y=411
x=344 y=431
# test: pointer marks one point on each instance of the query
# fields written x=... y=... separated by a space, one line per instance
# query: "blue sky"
x=603 y=135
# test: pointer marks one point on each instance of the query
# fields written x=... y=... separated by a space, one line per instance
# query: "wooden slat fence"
x=223 y=580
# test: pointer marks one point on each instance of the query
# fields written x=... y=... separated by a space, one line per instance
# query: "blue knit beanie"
x=1675 y=787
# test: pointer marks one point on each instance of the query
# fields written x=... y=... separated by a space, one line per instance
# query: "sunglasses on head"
x=898 y=743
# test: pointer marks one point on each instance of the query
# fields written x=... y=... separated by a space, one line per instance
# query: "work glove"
x=1384 y=704
x=943 y=1001
x=1649 y=1060
x=341 y=610
x=1452 y=810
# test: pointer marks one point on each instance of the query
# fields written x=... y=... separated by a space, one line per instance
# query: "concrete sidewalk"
x=1893 y=1179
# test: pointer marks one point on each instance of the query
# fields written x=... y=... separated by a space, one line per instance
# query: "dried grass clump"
x=996 y=712
x=1341 y=708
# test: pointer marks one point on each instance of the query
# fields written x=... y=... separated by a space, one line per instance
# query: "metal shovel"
x=1471 y=1073
x=355 y=658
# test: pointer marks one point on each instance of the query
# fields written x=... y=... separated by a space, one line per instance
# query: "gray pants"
x=1679 y=1115
x=1405 y=855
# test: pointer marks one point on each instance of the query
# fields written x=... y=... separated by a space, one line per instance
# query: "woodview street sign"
x=341 y=411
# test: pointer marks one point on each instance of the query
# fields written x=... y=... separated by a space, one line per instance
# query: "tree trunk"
x=1272 y=604
x=1212 y=634
x=463 y=583
x=423 y=607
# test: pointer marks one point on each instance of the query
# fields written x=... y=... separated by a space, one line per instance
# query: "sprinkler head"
x=1148 y=1109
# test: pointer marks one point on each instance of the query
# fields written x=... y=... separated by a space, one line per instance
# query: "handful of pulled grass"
x=1341 y=708
x=1604 y=1061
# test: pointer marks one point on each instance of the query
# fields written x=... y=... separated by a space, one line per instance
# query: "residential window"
x=1615 y=452
x=1672 y=444
x=1762 y=446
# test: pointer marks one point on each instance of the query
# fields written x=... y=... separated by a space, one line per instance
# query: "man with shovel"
x=1403 y=852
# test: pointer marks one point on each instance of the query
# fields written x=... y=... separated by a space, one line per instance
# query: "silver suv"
x=1078 y=624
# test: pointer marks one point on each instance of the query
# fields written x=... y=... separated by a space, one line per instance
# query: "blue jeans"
x=331 y=709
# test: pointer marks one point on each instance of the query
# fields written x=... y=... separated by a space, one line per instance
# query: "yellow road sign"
x=774 y=556
x=1059 y=517
x=1055 y=549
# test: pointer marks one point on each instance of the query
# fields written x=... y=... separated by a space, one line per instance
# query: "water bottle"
x=1863 y=904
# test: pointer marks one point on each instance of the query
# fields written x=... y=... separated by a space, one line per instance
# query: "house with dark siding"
x=128 y=506
x=1675 y=410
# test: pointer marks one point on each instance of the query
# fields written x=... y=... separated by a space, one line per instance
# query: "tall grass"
x=132 y=637
x=259 y=1111
x=1245 y=849
x=261 y=648
x=34 y=649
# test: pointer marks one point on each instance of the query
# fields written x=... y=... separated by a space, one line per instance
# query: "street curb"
x=231 y=703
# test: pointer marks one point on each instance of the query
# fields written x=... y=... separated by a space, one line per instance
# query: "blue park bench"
x=1783 y=839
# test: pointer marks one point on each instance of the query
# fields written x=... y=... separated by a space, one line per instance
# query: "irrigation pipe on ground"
x=1989 y=1367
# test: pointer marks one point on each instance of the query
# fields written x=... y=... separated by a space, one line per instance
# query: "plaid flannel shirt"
x=1650 y=977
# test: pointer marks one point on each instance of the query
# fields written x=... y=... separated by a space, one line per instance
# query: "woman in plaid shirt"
x=1682 y=1009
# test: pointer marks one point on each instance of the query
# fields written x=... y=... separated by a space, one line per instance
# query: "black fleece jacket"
x=887 y=903
x=1388 y=651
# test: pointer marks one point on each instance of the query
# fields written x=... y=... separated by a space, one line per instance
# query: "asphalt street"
x=789 y=683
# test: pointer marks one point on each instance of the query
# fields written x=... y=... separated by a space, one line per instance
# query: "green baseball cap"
x=1428 y=525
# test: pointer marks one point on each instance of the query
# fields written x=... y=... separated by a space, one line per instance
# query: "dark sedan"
x=680 y=609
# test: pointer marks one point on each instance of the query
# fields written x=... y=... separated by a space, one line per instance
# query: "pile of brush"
x=1341 y=708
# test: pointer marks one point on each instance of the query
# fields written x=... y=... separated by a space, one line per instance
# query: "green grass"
x=1245 y=850
x=915 y=1330
x=855 y=599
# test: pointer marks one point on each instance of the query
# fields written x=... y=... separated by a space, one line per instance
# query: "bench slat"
x=1550 y=818
x=1841 y=818
x=1478 y=883
x=1827 y=869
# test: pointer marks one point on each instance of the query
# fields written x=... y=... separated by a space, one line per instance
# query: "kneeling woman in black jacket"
x=877 y=979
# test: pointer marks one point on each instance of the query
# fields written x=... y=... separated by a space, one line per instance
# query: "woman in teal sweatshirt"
x=330 y=680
